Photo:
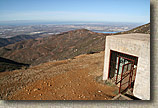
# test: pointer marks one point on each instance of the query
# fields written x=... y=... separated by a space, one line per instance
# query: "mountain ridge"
x=55 y=47
x=140 y=29
x=60 y=46
x=12 y=40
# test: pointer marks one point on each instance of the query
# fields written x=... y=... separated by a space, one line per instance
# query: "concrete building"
x=127 y=63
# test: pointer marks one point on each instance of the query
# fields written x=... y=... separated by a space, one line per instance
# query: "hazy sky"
x=76 y=10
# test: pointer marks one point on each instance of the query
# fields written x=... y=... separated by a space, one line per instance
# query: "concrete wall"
x=136 y=47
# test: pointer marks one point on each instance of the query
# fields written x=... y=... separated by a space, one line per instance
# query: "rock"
x=73 y=93
x=53 y=93
x=99 y=91
x=94 y=95
x=36 y=89
x=65 y=85
x=48 y=84
x=6 y=94
x=40 y=94
x=84 y=96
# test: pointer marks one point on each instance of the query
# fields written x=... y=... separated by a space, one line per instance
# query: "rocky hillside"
x=71 y=79
x=55 y=47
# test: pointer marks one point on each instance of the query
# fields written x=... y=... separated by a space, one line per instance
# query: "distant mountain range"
x=60 y=46
x=12 y=40
x=56 y=47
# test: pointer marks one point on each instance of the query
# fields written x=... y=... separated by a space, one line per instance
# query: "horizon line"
x=21 y=21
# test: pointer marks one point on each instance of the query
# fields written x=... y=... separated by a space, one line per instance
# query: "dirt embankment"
x=72 y=79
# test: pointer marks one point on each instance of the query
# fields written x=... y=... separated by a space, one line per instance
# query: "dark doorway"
x=122 y=69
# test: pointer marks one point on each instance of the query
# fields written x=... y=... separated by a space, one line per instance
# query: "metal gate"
x=124 y=79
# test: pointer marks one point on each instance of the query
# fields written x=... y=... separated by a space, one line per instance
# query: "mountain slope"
x=71 y=79
x=56 y=47
x=8 y=65
x=7 y=41
x=141 y=29
x=61 y=46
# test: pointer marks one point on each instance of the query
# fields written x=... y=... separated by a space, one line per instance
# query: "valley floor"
x=72 y=79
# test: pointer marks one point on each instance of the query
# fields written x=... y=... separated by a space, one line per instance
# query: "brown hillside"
x=56 y=47
x=61 y=46
x=72 y=79
x=12 y=40
x=141 y=29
